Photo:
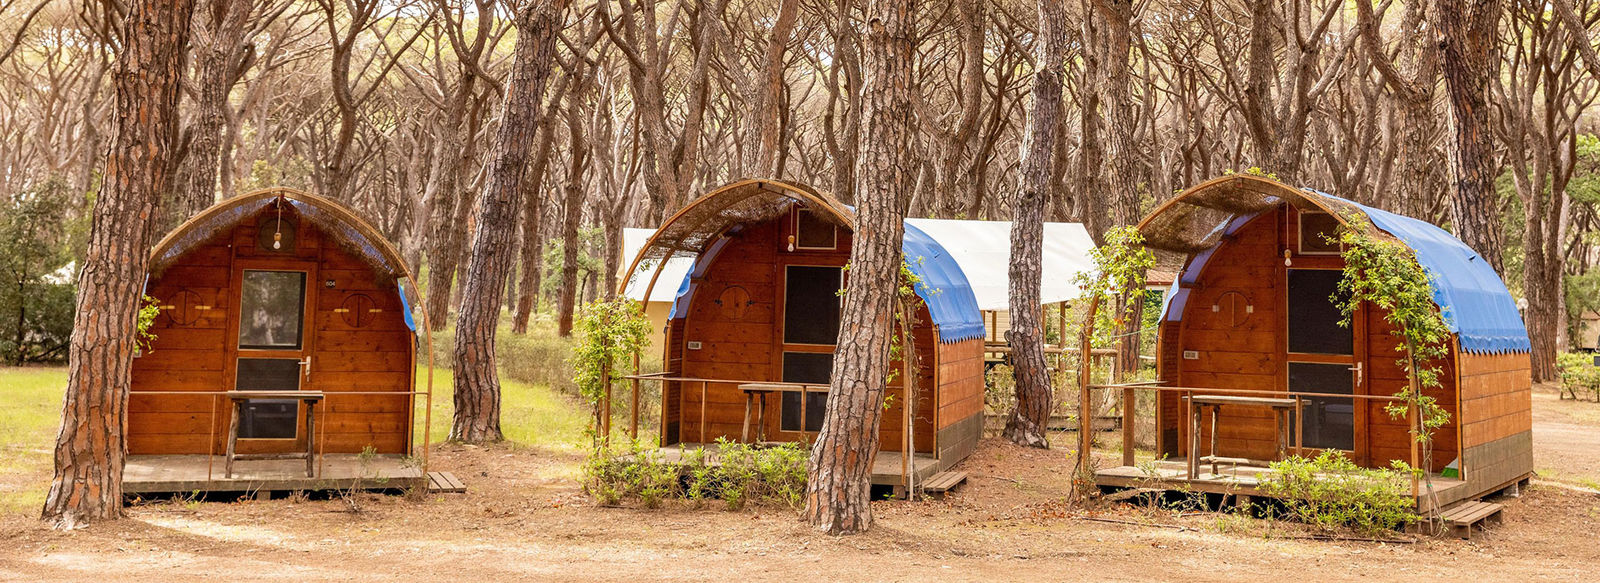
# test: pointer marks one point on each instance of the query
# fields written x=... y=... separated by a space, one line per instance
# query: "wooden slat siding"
x=1388 y=437
x=1490 y=466
x=1169 y=363
x=1246 y=263
x=961 y=375
x=1496 y=397
x=194 y=357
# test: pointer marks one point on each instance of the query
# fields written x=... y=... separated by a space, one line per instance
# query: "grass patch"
x=30 y=410
x=530 y=415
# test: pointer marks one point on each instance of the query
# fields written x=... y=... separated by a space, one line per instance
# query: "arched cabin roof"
x=1476 y=304
x=696 y=229
x=331 y=217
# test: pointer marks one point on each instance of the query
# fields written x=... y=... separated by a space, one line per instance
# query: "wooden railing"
x=1129 y=396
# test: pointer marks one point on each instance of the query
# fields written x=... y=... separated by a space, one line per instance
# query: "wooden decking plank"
x=445 y=482
x=944 y=481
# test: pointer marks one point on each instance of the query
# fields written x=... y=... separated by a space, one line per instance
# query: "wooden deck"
x=157 y=474
x=886 y=469
x=1239 y=480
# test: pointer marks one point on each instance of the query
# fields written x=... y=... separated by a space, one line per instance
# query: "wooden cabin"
x=761 y=306
x=1252 y=311
x=286 y=295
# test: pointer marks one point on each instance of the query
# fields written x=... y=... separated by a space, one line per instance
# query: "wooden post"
x=1128 y=419
x=703 y=413
x=633 y=414
x=1085 y=370
x=1412 y=415
x=605 y=402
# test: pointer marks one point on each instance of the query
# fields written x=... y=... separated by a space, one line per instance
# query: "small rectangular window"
x=811 y=368
x=814 y=232
x=1319 y=233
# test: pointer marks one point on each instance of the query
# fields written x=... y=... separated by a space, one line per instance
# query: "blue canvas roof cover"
x=944 y=287
x=1476 y=304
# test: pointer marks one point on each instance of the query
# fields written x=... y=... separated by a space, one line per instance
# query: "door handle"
x=305 y=367
x=1356 y=368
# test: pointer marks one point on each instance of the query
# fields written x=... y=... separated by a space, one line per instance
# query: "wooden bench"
x=1462 y=517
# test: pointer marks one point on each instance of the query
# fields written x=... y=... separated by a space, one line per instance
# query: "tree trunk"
x=838 y=488
x=90 y=449
x=477 y=381
x=1468 y=32
x=571 y=220
x=1032 y=414
x=217 y=42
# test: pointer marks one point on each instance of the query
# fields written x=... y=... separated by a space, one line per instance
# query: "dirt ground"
x=525 y=518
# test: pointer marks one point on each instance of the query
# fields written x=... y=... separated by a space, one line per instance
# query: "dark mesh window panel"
x=814 y=232
x=269 y=419
x=1313 y=314
x=1329 y=421
x=811 y=305
x=267 y=374
x=805 y=367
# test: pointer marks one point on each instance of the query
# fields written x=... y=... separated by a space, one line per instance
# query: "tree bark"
x=1032 y=413
x=90 y=449
x=572 y=217
x=477 y=381
x=838 y=488
x=1468 y=32
x=217 y=48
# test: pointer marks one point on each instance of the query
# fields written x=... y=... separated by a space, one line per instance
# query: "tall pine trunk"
x=91 y=448
x=217 y=43
x=1468 y=32
x=572 y=217
x=838 y=488
x=477 y=381
x=1029 y=420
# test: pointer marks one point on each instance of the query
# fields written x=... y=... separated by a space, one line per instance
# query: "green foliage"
x=1579 y=374
x=1118 y=279
x=1331 y=492
x=40 y=229
x=1252 y=171
x=149 y=308
x=738 y=474
x=1583 y=298
x=1385 y=274
x=589 y=238
x=537 y=358
x=609 y=333
x=907 y=305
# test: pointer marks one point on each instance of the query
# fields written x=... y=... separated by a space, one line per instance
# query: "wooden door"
x=1323 y=357
x=270 y=336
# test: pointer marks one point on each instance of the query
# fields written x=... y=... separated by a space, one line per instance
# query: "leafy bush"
x=1330 y=491
x=736 y=473
x=1579 y=374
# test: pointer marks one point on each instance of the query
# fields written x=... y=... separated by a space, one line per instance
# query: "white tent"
x=983 y=250
x=671 y=276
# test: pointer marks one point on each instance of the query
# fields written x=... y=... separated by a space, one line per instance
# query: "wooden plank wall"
x=1497 y=419
x=748 y=346
x=1251 y=354
x=376 y=356
x=1243 y=356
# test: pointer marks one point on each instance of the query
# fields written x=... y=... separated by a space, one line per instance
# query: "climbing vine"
x=1118 y=279
x=149 y=308
x=1385 y=274
x=610 y=331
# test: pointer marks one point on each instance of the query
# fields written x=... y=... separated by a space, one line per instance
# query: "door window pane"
x=1329 y=421
x=271 y=309
x=811 y=368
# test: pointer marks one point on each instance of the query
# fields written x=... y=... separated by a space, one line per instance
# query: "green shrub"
x=738 y=474
x=1579 y=374
x=1331 y=492
x=538 y=357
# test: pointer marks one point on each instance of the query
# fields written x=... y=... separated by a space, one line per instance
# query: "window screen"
x=271 y=309
x=1313 y=314
x=1329 y=421
x=1315 y=230
x=269 y=419
x=811 y=305
x=267 y=374
x=814 y=232
x=805 y=367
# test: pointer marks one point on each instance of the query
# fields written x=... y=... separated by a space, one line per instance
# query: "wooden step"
x=944 y=481
x=1462 y=517
x=445 y=482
